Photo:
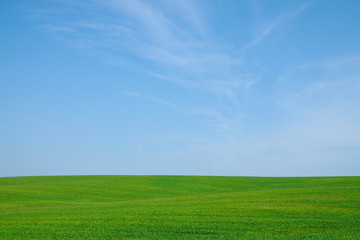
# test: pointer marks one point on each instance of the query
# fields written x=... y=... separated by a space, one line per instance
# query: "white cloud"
x=167 y=47
x=263 y=31
x=318 y=134
x=217 y=121
x=152 y=98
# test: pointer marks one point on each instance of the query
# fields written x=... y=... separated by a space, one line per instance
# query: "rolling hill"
x=179 y=207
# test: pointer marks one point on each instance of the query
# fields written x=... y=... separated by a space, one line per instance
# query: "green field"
x=179 y=207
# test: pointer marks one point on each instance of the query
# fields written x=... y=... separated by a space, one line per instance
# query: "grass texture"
x=179 y=207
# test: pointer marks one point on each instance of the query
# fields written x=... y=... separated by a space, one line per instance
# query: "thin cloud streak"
x=215 y=120
x=320 y=137
x=182 y=56
x=262 y=32
x=189 y=12
x=160 y=41
x=152 y=98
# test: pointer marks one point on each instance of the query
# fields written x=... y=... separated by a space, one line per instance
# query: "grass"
x=179 y=207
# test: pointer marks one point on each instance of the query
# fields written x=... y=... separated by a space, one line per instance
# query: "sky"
x=180 y=87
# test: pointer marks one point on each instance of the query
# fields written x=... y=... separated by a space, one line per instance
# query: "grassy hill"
x=179 y=207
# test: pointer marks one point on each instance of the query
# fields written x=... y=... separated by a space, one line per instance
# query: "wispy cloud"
x=319 y=133
x=145 y=30
x=152 y=98
x=323 y=101
x=325 y=81
x=165 y=40
x=168 y=41
x=189 y=12
x=263 y=31
x=217 y=121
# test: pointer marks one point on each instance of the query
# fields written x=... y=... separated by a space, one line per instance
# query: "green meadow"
x=179 y=207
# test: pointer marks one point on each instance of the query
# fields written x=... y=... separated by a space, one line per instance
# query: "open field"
x=179 y=207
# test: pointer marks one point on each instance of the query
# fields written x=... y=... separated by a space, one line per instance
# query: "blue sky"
x=245 y=88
